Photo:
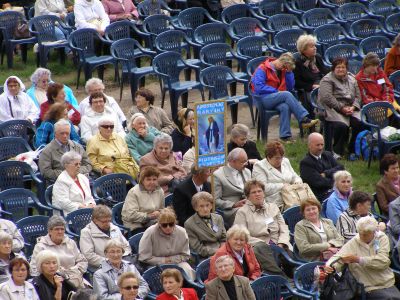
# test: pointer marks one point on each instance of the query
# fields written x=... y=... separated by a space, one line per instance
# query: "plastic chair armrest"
x=69 y=232
x=8 y=214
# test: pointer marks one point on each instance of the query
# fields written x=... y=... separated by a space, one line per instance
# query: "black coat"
x=304 y=77
x=182 y=200
x=181 y=142
x=310 y=172
x=46 y=290
x=251 y=150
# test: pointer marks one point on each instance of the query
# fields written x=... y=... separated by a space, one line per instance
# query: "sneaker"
x=287 y=140
x=307 y=123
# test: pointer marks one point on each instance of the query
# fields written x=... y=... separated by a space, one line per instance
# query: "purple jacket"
x=114 y=8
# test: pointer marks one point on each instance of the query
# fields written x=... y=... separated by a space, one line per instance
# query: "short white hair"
x=93 y=81
x=105 y=120
x=61 y=122
x=239 y=130
x=4 y=236
x=238 y=230
x=304 y=41
x=113 y=243
x=44 y=256
x=224 y=258
x=69 y=157
x=39 y=73
x=163 y=138
x=135 y=117
x=367 y=224
x=341 y=174
x=235 y=153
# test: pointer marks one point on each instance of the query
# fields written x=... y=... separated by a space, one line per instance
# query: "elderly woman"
x=17 y=288
x=156 y=116
x=97 y=233
x=50 y=284
x=240 y=139
x=392 y=60
x=368 y=259
x=273 y=82
x=128 y=284
x=237 y=246
x=40 y=79
x=45 y=132
x=388 y=187
x=72 y=264
x=266 y=226
x=108 y=151
x=340 y=96
x=275 y=171
x=228 y=285
x=56 y=94
x=166 y=243
x=162 y=158
x=184 y=131
x=140 y=137
x=338 y=201
x=98 y=109
x=71 y=191
x=120 y=10
x=206 y=230
x=316 y=237
x=15 y=104
x=105 y=279
x=172 y=282
x=17 y=239
x=6 y=255
x=143 y=202
x=91 y=14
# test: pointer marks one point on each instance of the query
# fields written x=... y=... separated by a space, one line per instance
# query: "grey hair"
x=304 y=40
x=134 y=118
x=39 y=73
x=69 y=157
x=105 y=120
x=202 y=196
x=44 y=256
x=224 y=258
x=195 y=170
x=163 y=138
x=61 y=122
x=55 y=221
x=239 y=130
x=238 y=230
x=366 y=224
x=85 y=294
x=235 y=153
x=287 y=59
x=93 y=81
x=113 y=243
x=4 y=236
x=341 y=174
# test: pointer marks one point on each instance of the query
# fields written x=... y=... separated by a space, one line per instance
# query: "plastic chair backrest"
x=292 y=215
x=70 y=19
x=352 y=11
x=85 y=40
x=304 y=277
x=157 y=24
x=16 y=201
x=270 y=8
x=234 y=12
x=304 y=5
x=12 y=174
x=395 y=80
x=253 y=64
x=376 y=44
x=116 y=213
x=31 y=228
x=45 y=26
x=152 y=277
x=113 y=185
x=172 y=40
x=354 y=66
x=12 y=146
x=134 y=242
x=347 y=51
x=376 y=113
x=168 y=201
x=202 y=270
x=317 y=16
x=16 y=128
x=119 y=30
x=269 y=287
x=323 y=209
x=280 y=22
x=193 y=17
x=9 y=20
x=251 y=46
x=210 y=33
x=215 y=54
x=168 y=63
x=365 y=28
x=245 y=26
x=393 y=22
x=216 y=78
x=382 y=7
x=329 y=33
x=287 y=39
x=125 y=49
x=149 y=8
x=48 y=194
x=78 y=219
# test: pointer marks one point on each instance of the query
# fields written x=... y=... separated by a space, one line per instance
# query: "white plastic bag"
x=29 y=157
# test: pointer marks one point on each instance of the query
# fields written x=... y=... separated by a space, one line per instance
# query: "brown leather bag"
x=21 y=31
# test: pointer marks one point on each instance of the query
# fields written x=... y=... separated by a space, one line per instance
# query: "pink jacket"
x=114 y=8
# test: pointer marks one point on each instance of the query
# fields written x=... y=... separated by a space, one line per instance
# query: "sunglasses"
x=131 y=287
x=107 y=126
x=165 y=225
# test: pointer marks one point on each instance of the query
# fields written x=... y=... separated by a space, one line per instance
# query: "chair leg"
x=121 y=87
x=62 y=55
x=134 y=86
x=100 y=72
x=79 y=76
x=174 y=103
x=185 y=97
x=252 y=114
x=233 y=86
x=202 y=94
x=24 y=52
x=163 y=90
x=234 y=113
x=10 y=57
x=188 y=73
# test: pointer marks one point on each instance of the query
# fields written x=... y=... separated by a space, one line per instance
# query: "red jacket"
x=188 y=294
x=392 y=61
x=249 y=256
x=371 y=90
x=73 y=115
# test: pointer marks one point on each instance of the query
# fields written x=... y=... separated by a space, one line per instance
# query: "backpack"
x=363 y=145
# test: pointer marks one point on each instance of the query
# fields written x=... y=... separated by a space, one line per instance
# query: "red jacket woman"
x=188 y=294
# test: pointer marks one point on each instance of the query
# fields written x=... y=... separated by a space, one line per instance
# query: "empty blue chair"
x=381 y=9
x=247 y=26
x=216 y=79
x=119 y=30
x=351 y=12
x=269 y=8
x=304 y=279
x=251 y=47
x=376 y=44
x=280 y=22
x=286 y=40
x=134 y=242
x=168 y=66
x=333 y=4
x=237 y=11
x=318 y=16
x=116 y=217
x=348 y=51
x=112 y=187
x=191 y=18
x=364 y=28
x=77 y=220
x=392 y=23
x=331 y=34
x=299 y=7
x=210 y=33
x=154 y=25
x=202 y=271
x=150 y=7
x=12 y=146
x=17 y=128
x=31 y=228
x=83 y=42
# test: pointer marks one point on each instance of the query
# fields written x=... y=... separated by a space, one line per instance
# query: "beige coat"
x=265 y=224
x=334 y=94
x=93 y=241
x=374 y=271
x=215 y=289
x=138 y=203
x=72 y=261
x=309 y=241
x=9 y=291
x=274 y=179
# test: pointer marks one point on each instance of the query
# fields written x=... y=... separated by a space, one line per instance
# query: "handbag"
x=293 y=194
x=21 y=31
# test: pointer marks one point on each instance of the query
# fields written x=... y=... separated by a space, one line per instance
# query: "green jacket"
x=139 y=146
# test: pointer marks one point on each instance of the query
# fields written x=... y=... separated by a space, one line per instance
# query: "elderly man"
x=184 y=192
x=50 y=158
x=229 y=183
x=318 y=166
x=228 y=286
x=95 y=85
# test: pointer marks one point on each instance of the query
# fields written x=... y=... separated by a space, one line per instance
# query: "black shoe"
x=307 y=123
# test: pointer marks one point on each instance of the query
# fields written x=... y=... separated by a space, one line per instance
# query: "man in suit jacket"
x=229 y=183
x=228 y=286
x=183 y=193
x=50 y=158
x=318 y=167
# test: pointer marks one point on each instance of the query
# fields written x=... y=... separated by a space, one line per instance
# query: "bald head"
x=315 y=143
x=237 y=159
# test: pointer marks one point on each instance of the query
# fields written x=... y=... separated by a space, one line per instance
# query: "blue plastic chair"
x=17 y=128
x=269 y=8
x=12 y=146
x=154 y=25
x=374 y=116
x=395 y=80
x=318 y=16
x=304 y=279
x=395 y=259
x=9 y=21
x=150 y=7
x=202 y=270
x=292 y=216
x=333 y=4
x=134 y=242
x=209 y=33
x=280 y=22
x=279 y=252
x=119 y=30
x=392 y=23
x=286 y=41
x=253 y=64
x=351 y=12
x=168 y=200
x=364 y=28
x=376 y=44
x=237 y=11
x=191 y=18
x=247 y=26
x=216 y=79
x=299 y=7
x=127 y=51
x=48 y=196
x=116 y=217
x=168 y=66
x=331 y=34
x=274 y=287
x=323 y=208
x=381 y=9
x=347 y=51
x=31 y=12
x=251 y=47
x=83 y=42
x=44 y=28
x=70 y=20
x=77 y=220
x=31 y=228
x=113 y=186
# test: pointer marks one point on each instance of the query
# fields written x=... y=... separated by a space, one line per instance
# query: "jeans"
x=286 y=104
x=62 y=35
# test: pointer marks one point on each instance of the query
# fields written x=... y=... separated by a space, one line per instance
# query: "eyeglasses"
x=165 y=225
x=107 y=126
x=131 y=287
x=75 y=164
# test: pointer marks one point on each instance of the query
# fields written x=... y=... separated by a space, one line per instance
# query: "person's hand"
x=58 y=281
x=283 y=246
x=154 y=214
x=315 y=86
x=332 y=249
x=100 y=31
x=323 y=175
x=381 y=226
x=349 y=259
x=239 y=203
x=253 y=161
x=187 y=130
x=62 y=16
x=168 y=260
x=91 y=205
x=328 y=269
x=107 y=170
x=128 y=16
x=142 y=132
